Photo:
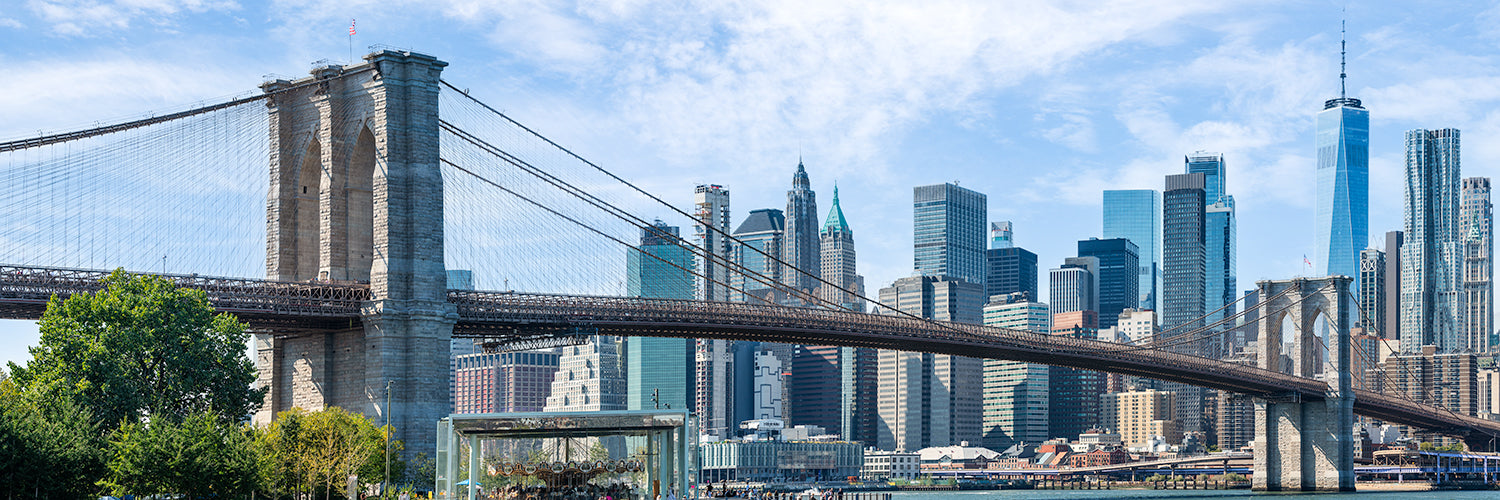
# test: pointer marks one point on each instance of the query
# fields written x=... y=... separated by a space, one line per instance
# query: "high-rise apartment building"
x=1432 y=255
x=759 y=244
x=1184 y=281
x=589 y=377
x=1015 y=393
x=768 y=385
x=504 y=381
x=801 y=246
x=930 y=399
x=1118 y=277
x=1138 y=416
x=1074 y=405
x=1391 y=328
x=834 y=388
x=1075 y=285
x=949 y=232
x=837 y=266
x=1371 y=291
x=1342 y=221
x=711 y=227
x=1135 y=214
x=1445 y=380
x=656 y=367
x=1009 y=268
x=1476 y=228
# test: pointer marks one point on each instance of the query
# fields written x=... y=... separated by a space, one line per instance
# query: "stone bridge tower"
x=1304 y=445
x=356 y=195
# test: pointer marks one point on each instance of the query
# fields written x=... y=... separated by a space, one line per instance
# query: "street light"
x=384 y=488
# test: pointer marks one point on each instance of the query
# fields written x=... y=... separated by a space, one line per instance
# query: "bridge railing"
x=26 y=290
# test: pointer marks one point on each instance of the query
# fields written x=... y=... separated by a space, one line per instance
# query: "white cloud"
x=6 y=22
x=88 y=17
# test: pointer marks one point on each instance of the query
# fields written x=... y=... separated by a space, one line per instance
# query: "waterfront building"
x=1117 y=278
x=1016 y=393
x=930 y=399
x=1432 y=254
x=1476 y=229
x=1009 y=268
x=1135 y=214
x=887 y=465
x=838 y=264
x=801 y=249
x=589 y=377
x=949 y=232
x=504 y=381
x=779 y=461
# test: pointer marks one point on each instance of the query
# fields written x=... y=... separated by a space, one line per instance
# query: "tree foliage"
x=142 y=347
x=46 y=451
x=200 y=456
x=303 y=451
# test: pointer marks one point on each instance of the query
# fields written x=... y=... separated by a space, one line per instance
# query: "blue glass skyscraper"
x=1135 y=214
x=1343 y=218
x=1220 y=279
x=660 y=366
x=949 y=240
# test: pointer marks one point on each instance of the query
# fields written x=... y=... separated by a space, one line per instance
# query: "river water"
x=1178 y=495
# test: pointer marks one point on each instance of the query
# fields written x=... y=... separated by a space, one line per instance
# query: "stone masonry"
x=356 y=195
x=1306 y=445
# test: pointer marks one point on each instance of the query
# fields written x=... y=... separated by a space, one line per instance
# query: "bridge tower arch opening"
x=1302 y=444
x=358 y=146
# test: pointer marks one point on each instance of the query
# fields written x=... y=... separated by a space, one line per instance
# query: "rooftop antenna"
x=1343 y=51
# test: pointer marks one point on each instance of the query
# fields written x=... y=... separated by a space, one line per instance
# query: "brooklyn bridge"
x=341 y=199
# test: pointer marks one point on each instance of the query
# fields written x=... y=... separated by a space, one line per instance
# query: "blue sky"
x=1040 y=105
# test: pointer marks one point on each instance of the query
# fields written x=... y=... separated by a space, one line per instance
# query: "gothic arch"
x=359 y=192
x=306 y=207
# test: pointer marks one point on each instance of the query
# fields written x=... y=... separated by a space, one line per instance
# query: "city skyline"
x=1124 y=137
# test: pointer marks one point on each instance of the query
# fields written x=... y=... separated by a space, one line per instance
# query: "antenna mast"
x=1343 y=47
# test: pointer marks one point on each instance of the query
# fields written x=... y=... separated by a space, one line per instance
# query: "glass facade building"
x=1342 y=222
x=1135 y=214
x=1432 y=254
x=660 y=366
x=1220 y=279
x=760 y=240
x=949 y=232
x=1015 y=393
x=1118 y=276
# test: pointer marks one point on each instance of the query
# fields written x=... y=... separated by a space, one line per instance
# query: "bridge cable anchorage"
x=601 y=205
x=34 y=142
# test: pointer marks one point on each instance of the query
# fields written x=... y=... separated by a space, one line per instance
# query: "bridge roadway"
x=289 y=308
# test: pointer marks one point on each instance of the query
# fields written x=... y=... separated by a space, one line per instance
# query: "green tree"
x=303 y=451
x=200 y=456
x=46 y=451
x=140 y=347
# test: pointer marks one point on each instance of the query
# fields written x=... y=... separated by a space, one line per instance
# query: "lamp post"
x=385 y=487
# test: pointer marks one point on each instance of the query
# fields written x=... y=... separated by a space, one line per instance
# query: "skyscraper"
x=1015 y=393
x=1135 y=214
x=760 y=240
x=1391 y=328
x=800 y=247
x=1476 y=227
x=504 y=381
x=1009 y=269
x=1119 y=288
x=930 y=399
x=1075 y=285
x=1342 y=222
x=655 y=366
x=1184 y=281
x=1432 y=255
x=837 y=248
x=711 y=225
x=834 y=388
x=949 y=238
x=588 y=377
x=1074 y=405
x=1220 y=279
x=1371 y=291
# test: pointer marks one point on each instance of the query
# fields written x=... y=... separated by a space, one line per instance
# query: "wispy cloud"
x=90 y=17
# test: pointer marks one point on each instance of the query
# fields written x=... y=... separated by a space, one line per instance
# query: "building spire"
x=1343 y=51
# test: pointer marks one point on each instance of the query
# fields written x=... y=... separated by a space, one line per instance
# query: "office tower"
x=1371 y=291
x=1391 y=330
x=1015 y=393
x=768 y=385
x=1135 y=214
x=1342 y=222
x=1119 y=272
x=930 y=399
x=834 y=388
x=1136 y=327
x=837 y=266
x=1137 y=416
x=1075 y=285
x=1009 y=269
x=504 y=381
x=659 y=368
x=588 y=377
x=1220 y=278
x=1432 y=254
x=1074 y=405
x=1475 y=228
x=1184 y=280
x=949 y=237
x=710 y=227
x=801 y=246
x=1427 y=375
x=760 y=240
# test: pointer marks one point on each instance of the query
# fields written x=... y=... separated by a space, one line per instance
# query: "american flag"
x=351 y=27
